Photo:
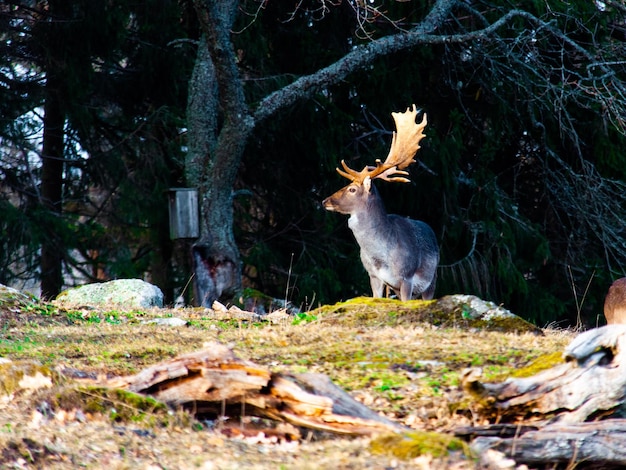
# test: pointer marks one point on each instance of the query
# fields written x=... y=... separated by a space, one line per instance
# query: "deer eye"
x=352 y=189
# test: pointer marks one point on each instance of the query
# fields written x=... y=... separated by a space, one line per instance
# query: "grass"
x=385 y=354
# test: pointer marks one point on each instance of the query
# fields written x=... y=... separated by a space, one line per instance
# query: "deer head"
x=404 y=145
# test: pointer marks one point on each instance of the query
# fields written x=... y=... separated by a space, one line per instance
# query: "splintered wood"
x=591 y=383
x=570 y=413
x=214 y=381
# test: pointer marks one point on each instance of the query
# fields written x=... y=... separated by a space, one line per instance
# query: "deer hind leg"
x=420 y=286
x=406 y=289
x=377 y=286
x=429 y=293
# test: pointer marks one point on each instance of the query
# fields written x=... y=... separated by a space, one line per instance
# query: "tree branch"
x=364 y=55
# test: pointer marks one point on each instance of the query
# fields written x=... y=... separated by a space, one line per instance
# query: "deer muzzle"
x=328 y=204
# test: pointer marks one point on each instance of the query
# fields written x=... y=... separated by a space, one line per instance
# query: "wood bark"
x=600 y=444
x=214 y=382
x=52 y=167
x=590 y=383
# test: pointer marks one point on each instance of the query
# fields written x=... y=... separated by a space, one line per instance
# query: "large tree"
x=554 y=73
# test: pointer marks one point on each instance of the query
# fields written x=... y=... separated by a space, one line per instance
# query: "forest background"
x=104 y=106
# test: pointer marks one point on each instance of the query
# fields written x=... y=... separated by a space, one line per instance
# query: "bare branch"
x=596 y=87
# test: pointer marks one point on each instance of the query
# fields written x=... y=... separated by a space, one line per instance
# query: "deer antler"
x=404 y=146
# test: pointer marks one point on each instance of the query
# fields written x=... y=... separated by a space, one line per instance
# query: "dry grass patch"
x=393 y=359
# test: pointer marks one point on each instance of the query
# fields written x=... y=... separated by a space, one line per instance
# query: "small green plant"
x=385 y=385
x=303 y=318
x=197 y=426
x=40 y=309
x=11 y=345
x=466 y=312
x=113 y=317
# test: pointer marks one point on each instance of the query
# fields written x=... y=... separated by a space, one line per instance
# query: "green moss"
x=12 y=298
x=119 y=405
x=13 y=373
x=413 y=444
x=441 y=313
x=543 y=362
x=373 y=311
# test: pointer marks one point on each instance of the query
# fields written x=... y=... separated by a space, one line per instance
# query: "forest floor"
x=389 y=359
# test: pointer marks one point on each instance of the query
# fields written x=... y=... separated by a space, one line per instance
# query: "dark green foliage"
x=485 y=180
x=521 y=174
x=123 y=91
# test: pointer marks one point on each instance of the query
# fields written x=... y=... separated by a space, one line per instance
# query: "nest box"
x=184 y=214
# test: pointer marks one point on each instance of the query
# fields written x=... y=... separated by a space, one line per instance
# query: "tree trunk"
x=213 y=162
x=52 y=187
x=211 y=167
x=597 y=445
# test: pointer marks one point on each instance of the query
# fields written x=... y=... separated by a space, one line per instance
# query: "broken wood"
x=590 y=384
x=215 y=382
x=599 y=444
x=545 y=419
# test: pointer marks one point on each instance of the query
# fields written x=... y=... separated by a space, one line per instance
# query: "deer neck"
x=369 y=220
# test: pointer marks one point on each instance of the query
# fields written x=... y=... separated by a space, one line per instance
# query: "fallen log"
x=570 y=413
x=600 y=444
x=591 y=383
x=215 y=382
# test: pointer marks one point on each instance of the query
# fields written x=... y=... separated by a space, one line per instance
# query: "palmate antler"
x=404 y=146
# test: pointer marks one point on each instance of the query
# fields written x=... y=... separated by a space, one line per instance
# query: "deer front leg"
x=377 y=286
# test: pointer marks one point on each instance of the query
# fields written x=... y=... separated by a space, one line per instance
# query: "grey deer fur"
x=396 y=251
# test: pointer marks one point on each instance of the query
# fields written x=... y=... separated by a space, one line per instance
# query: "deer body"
x=615 y=302
x=396 y=251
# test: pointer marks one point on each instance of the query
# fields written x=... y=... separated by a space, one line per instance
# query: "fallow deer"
x=615 y=302
x=396 y=251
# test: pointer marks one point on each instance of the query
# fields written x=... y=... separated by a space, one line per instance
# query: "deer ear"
x=367 y=183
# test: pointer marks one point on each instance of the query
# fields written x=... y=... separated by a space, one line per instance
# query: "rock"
x=121 y=293
x=475 y=308
x=233 y=312
x=12 y=297
x=483 y=314
x=171 y=321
